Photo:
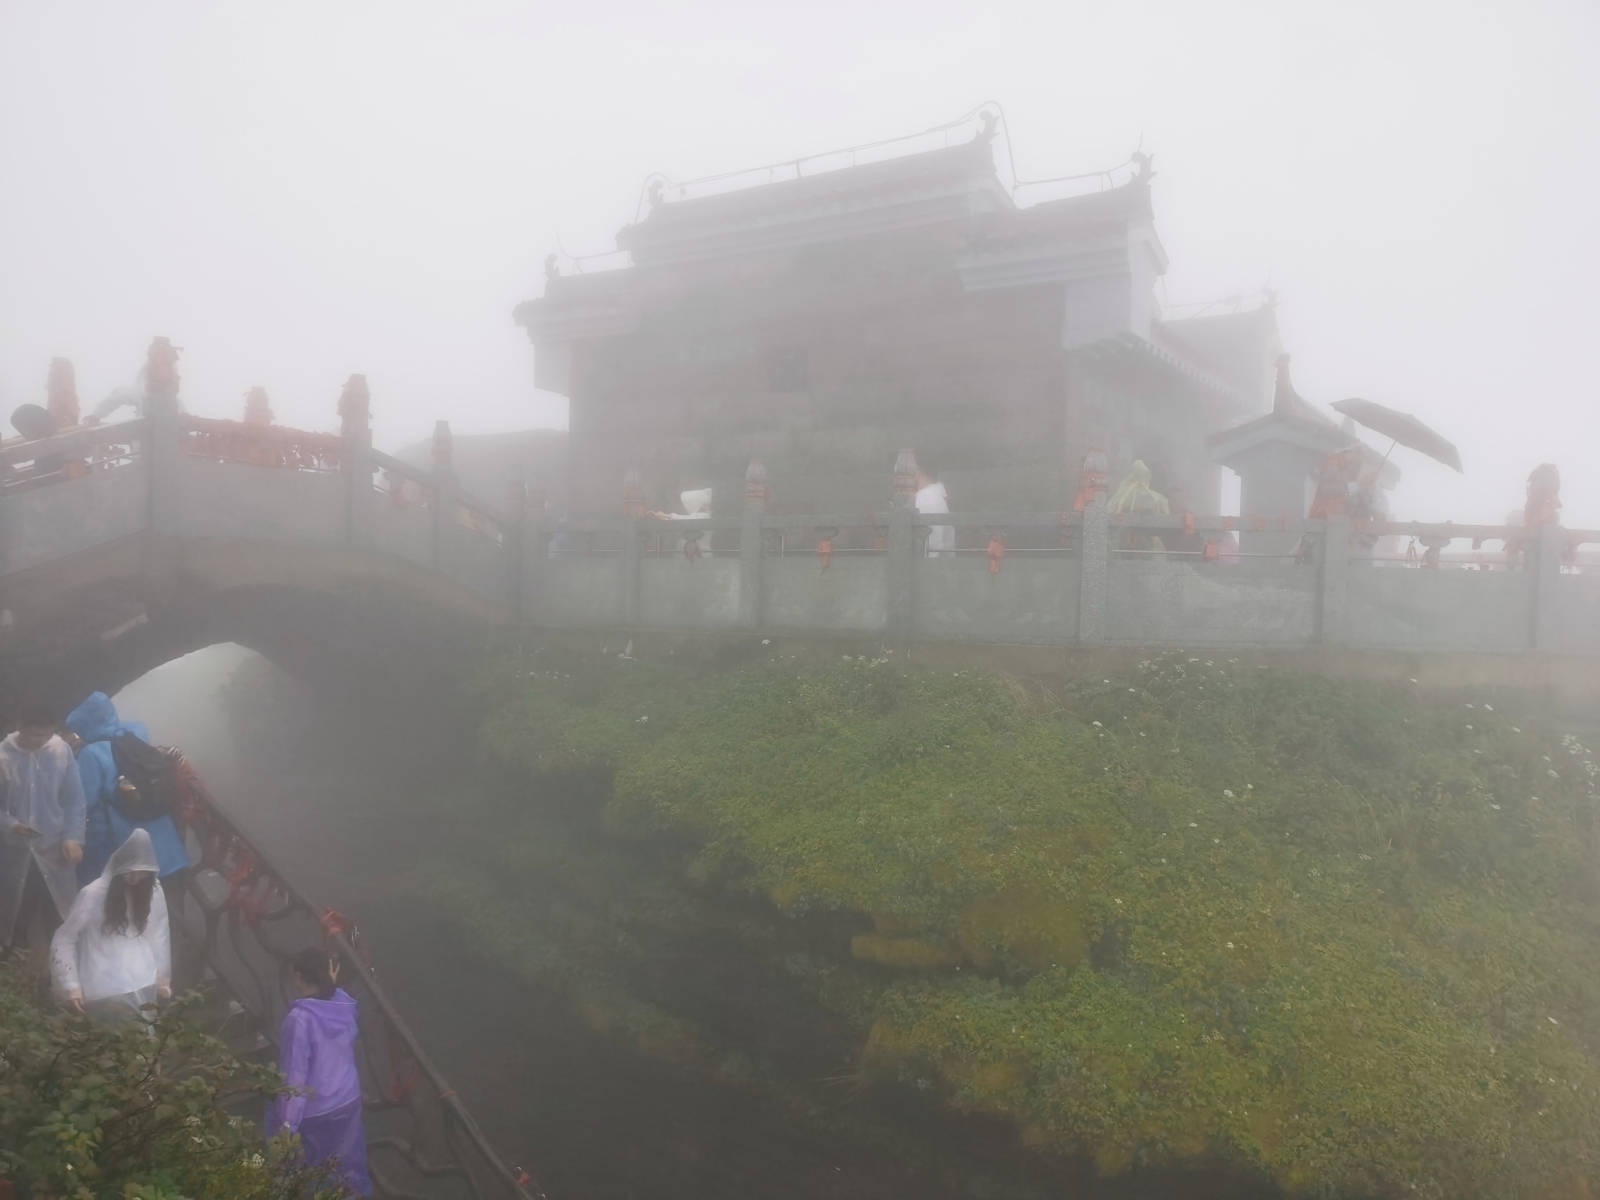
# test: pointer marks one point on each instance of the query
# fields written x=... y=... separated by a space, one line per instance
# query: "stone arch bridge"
x=124 y=546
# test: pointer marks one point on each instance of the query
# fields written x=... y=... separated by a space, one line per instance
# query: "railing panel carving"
x=72 y=455
x=261 y=445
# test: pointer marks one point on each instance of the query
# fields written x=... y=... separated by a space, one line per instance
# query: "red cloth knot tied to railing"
x=192 y=812
x=335 y=924
x=996 y=551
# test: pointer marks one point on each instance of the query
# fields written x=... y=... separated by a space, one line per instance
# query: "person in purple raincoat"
x=317 y=1055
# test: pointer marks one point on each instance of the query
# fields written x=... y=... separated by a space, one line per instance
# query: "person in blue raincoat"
x=93 y=724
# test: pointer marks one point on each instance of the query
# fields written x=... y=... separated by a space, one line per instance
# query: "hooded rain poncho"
x=43 y=791
x=317 y=1055
x=96 y=722
x=934 y=499
x=103 y=966
x=1135 y=495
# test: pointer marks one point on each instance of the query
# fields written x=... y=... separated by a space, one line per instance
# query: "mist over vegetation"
x=1337 y=933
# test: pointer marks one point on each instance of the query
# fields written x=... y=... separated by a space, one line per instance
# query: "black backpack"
x=155 y=790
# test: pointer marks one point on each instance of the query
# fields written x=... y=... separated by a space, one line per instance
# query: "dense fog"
x=293 y=192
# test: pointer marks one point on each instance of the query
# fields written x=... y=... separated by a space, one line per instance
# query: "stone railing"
x=1077 y=578
x=1088 y=579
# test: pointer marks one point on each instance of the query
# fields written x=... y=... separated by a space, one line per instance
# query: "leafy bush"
x=92 y=1111
x=1334 y=932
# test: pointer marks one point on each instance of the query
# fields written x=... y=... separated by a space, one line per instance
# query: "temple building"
x=822 y=323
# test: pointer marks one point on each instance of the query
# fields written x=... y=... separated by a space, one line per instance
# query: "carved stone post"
x=535 y=550
x=164 y=450
x=1333 y=625
x=61 y=394
x=516 y=540
x=632 y=493
x=1094 y=572
x=628 y=560
x=446 y=491
x=355 y=424
x=751 y=551
x=1546 y=578
x=903 y=545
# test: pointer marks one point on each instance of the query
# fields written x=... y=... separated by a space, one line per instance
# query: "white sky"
x=295 y=191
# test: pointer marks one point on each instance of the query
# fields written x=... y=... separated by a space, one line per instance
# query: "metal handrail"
x=252 y=919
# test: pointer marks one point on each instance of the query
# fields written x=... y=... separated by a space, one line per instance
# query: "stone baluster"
x=535 y=552
x=1333 y=624
x=628 y=559
x=355 y=424
x=164 y=448
x=1546 y=577
x=1094 y=571
x=517 y=540
x=445 y=499
x=751 y=551
x=903 y=545
x=632 y=493
x=61 y=394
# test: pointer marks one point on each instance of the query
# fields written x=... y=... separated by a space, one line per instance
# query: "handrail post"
x=628 y=570
x=164 y=453
x=355 y=427
x=1546 y=579
x=902 y=545
x=1333 y=626
x=750 y=545
x=515 y=540
x=1094 y=572
x=446 y=500
x=902 y=553
x=535 y=542
x=361 y=510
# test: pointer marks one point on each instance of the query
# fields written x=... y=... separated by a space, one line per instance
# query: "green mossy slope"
x=1333 y=932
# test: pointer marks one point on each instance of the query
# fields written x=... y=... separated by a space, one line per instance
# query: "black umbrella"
x=1402 y=427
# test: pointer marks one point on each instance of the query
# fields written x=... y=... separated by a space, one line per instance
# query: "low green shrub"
x=91 y=1111
x=1334 y=932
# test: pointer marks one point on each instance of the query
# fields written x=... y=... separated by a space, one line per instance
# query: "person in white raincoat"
x=932 y=498
x=42 y=821
x=113 y=953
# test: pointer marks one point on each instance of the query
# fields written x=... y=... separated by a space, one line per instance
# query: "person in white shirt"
x=932 y=498
x=113 y=953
